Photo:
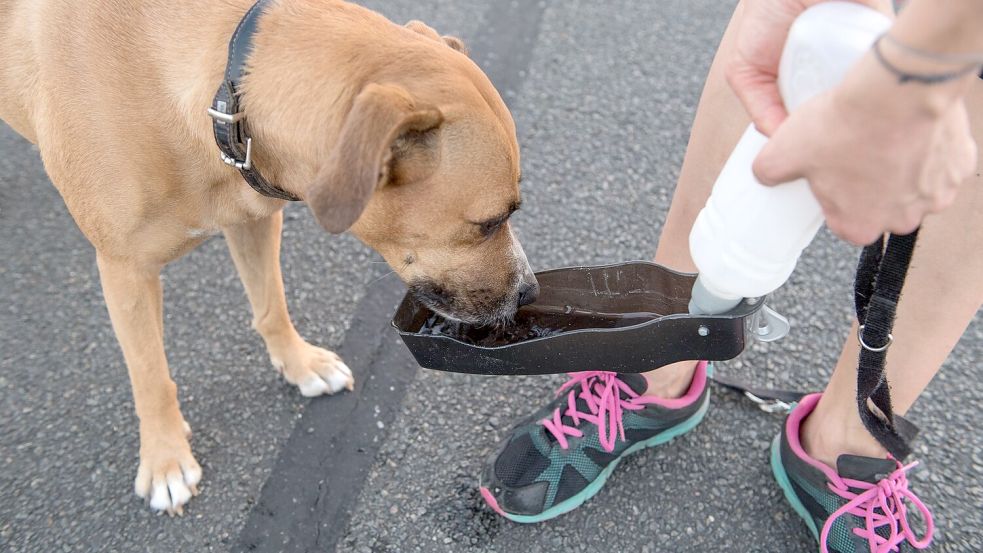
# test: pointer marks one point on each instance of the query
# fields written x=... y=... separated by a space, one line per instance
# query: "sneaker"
x=862 y=506
x=560 y=456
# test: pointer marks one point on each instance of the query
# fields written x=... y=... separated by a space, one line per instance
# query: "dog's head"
x=427 y=173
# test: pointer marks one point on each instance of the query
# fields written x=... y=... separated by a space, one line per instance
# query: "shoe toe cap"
x=525 y=501
x=511 y=488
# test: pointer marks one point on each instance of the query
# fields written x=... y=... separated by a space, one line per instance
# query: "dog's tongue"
x=866 y=469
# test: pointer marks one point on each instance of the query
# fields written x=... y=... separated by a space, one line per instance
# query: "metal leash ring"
x=860 y=336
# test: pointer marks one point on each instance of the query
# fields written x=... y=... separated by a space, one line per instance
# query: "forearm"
x=924 y=65
x=937 y=37
x=942 y=26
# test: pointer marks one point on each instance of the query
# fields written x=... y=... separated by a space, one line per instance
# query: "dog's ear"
x=428 y=31
x=380 y=117
x=456 y=44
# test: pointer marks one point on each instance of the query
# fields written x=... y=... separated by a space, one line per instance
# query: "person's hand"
x=875 y=158
x=753 y=70
x=878 y=156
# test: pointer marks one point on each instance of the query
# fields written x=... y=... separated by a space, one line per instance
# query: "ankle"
x=826 y=435
x=281 y=339
x=671 y=381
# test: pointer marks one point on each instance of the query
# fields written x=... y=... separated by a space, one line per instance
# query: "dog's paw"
x=169 y=474
x=316 y=371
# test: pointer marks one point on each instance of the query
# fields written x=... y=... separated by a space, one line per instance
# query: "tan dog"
x=389 y=131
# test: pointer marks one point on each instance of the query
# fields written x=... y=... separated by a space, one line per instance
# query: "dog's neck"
x=300 y=81
x=310 y=59
x=193 y=60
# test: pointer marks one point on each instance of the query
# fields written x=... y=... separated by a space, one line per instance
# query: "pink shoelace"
x=881 y=504
x=601 y=391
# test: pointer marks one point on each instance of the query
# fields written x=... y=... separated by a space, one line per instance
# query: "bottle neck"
x=705 y=301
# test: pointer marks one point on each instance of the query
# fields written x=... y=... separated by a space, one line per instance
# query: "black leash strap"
x=229 y=123
x=881 y=275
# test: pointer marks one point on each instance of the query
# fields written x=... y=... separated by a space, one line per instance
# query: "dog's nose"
x=528 y=293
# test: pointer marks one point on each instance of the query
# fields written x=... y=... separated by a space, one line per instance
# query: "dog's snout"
x=528 y=293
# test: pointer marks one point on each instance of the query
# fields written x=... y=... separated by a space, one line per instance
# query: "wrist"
x=874 y=87
x=925 y=63
x=934 y=80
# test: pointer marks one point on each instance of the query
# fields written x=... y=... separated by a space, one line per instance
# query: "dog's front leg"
x=168 y=473
x=255 y=248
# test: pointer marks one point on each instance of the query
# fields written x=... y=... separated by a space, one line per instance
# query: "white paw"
x=168 y=479
x=315 y=371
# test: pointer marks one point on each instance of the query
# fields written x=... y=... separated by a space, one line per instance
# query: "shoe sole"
x=786 y=485
x=598 y=483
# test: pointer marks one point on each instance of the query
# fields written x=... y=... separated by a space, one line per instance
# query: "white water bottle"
x=748 y=239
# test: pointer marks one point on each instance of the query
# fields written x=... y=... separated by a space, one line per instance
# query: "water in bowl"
x=531 y=322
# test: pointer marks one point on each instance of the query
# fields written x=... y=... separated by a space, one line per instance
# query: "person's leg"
x=943 y=292
x=551 y=463
x=720 y=121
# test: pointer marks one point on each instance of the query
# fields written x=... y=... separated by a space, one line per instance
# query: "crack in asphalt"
x=503 y=48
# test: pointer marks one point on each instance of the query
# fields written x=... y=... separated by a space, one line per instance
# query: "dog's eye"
x=489 y=228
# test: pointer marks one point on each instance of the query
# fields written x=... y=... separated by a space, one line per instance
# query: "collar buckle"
x=244 y=165
x=220 y=114
x=228 y=122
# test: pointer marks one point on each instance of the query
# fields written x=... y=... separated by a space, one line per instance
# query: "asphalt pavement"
x=603 y=94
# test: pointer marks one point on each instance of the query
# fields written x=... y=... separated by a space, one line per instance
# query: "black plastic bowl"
x=672 y=335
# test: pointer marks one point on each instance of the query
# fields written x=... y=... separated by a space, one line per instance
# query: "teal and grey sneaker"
x=862 y=506
x=560 y=456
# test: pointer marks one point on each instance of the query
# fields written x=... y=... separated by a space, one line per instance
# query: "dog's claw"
x=167 y=480
x=315 y=371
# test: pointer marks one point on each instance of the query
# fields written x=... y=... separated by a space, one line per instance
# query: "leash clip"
x=771 y=406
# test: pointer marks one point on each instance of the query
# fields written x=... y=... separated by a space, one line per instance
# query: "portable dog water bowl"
x=629 y=318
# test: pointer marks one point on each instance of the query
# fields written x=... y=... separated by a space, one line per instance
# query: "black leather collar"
x=228 y=122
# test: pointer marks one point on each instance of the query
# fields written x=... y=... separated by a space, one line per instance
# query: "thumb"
x=781 y=159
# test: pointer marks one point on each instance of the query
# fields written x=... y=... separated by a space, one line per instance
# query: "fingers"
x=758 y=91
x=908 y=220
x=862 y=228
x=858 y=232
x=782 y=158
x=844 y=224
x=943 y=200
x=854 y=234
